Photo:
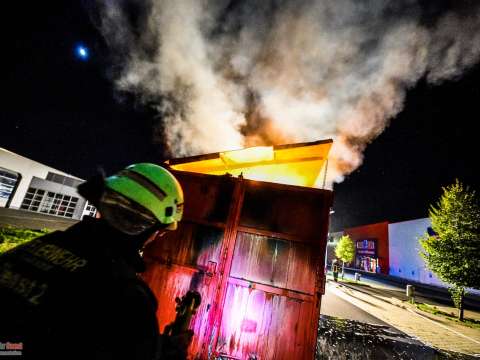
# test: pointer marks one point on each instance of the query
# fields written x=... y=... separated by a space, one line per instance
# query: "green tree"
x=345 y=251
x=453 y=254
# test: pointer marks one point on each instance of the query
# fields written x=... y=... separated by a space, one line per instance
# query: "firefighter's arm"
x=175 y=340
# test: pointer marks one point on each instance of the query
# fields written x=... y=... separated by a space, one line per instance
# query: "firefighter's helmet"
x=145 y=194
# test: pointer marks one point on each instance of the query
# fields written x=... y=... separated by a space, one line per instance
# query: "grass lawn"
x=11 y=237
x=450 y=316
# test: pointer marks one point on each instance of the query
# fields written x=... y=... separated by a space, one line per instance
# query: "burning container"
x=252 y=242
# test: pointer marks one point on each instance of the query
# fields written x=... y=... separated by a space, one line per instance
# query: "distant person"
x=335 y=269
x=75 y=294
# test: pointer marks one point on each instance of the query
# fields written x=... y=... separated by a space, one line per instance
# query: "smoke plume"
x=227 y=74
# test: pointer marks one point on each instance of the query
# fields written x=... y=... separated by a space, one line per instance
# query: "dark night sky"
x=64 y=112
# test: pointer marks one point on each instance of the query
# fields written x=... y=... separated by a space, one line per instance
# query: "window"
x=8 y=181
x=49 y=202
x=90 y=210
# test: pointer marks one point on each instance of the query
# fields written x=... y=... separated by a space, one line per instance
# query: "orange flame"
x=296 y=164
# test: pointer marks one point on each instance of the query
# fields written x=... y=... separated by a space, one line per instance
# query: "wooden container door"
x=273 y=291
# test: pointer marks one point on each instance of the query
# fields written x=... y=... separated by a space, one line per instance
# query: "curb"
x=375 y=296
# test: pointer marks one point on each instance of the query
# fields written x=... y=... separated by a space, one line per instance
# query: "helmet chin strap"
x=141 y=240
x=154 y=236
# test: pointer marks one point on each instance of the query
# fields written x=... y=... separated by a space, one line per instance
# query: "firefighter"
x=76 y=294
x=335 y=269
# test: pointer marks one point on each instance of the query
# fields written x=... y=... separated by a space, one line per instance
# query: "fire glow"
x=297 y=164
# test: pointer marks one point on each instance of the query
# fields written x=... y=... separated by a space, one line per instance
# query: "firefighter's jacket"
x=76 y=295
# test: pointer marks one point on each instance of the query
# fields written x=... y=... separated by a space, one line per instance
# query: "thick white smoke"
x=229 y=74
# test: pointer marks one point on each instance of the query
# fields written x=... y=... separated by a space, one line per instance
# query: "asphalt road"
x=332 y=305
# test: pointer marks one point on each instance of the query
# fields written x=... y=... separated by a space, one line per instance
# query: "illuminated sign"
x=366 y=247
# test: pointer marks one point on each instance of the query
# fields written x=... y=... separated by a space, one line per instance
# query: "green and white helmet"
x=153 y=188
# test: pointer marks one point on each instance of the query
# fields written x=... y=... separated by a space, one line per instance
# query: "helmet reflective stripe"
x=145 y=182
x=152 y=187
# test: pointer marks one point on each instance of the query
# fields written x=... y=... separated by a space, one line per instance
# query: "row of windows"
x=62 y=179
x=48 y=202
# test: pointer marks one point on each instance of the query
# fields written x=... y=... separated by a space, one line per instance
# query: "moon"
x=82 y=52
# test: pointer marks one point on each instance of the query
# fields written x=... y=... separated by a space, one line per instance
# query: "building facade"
x=391 y=249
x=404 y=249
x=29 y=185
x=371 y=247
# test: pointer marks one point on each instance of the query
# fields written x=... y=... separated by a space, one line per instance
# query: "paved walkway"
x=390 y=306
